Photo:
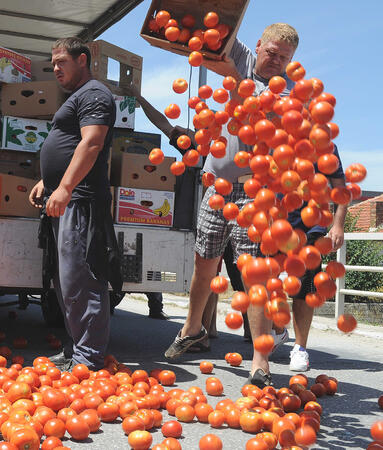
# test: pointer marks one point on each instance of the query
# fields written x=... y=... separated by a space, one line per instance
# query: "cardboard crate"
x=125 y=111
x=14 y=194
x=36 y=99
x=130 y=66
x=42 y=71
x=20 y=164
x=14 y=67
x=135 y=141
x=230 y=12
x=144 y=207
x=136 y=171
x=23 y=134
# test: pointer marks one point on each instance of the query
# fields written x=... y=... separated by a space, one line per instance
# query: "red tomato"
x=180 y=86
x=172 y=111
x=162 y=18
x=234 y=320
x=140 y=440
x=346 y=323
x=210 y=442
x=195 y=59
x=172 y=428
x=264 y=343
x=156 y=156
x=211 y=19
x=219 y=284
x=78 y=428
x=355 y=173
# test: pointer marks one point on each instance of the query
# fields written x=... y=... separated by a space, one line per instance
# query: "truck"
x=153 y=259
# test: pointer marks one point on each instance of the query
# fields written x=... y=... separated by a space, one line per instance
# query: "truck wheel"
x=51 y=310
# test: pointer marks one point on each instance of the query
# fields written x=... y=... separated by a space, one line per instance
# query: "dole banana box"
x=144 y=207
x=125 y=109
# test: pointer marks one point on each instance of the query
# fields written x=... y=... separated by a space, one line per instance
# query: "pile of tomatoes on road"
x=41 y=402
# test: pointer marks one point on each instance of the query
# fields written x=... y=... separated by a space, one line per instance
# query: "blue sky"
x=340 y=43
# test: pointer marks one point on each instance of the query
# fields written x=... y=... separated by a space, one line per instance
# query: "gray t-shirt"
x=244 y=60
x=91 y=104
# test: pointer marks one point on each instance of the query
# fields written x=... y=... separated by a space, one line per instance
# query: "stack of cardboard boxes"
x=30 y=96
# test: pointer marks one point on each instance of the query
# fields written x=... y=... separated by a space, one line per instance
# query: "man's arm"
x=336 y=232
x=225 y=67
x=84 y=157
x=156 y=117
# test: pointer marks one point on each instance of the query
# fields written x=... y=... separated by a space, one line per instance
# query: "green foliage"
x=362 y=253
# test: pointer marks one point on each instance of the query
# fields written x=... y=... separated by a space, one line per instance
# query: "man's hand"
x=58 y=201
x=336 y=234
x=36 y=195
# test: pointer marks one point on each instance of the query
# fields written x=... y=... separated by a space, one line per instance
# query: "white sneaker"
x=279 y=339
x=299 y=359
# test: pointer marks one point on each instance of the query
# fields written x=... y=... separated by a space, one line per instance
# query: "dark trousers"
x=154 y=301
x=84 y=300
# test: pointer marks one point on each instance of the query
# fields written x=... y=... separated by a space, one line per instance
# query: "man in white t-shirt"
x=273 y=51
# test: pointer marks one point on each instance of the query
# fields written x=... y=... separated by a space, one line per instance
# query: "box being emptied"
x=144 y=207
x=230 y=12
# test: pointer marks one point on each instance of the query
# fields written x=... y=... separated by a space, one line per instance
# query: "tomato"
x=219 y=284
x=177 y=168
x=377 y=431
x=180 y=86
x=18 y=390
x=292 y=285
x=346 y=323
x=167 y=377
x=295 y=71
x=172 y=34
x=305 y=436
x=108 y=412
x=216 y=419
x=264 y=343
x=172 y=111
x=156 y=156
x=257 y=444
x=251 y=422
x=195 y=59
x=233 y=320
x=78 y=428
x=206 y=367
x=277 y=84
x=255 y=271
x=264 y=129
x=54 y=427
x=210 y=442
x=50 y=443
x=229 y=83
x=188 y=21
x=172 y=428
x=140 y=440
x=240 y=301
x=92 y=419
x=355 y=173
x=230 y=211
x=162 y=18
x=214 y=386
x=335 y=269
x=211 y=19
x=25 y=438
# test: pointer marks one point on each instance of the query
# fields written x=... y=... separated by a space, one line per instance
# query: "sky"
x=340 y=43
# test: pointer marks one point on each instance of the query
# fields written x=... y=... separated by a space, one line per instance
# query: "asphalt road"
x=356 y=360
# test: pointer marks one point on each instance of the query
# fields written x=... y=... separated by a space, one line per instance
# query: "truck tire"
x=51 y=310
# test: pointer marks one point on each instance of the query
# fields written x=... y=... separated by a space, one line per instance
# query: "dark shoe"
x=199 y=347
x=180 y=345
x=260 y=379
x=66 y=366
x=158 y=315
x=60 y=358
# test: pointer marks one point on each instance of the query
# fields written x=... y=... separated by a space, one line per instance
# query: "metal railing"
x=341 y=291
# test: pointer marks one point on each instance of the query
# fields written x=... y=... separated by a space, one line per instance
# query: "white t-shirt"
x=225 y=167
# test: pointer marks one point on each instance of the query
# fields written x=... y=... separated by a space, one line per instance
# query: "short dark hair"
x=74 y=46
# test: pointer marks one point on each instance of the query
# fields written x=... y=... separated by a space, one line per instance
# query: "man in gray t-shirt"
x=274 y=51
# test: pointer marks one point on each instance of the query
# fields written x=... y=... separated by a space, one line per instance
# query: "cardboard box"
x=130 y=66
x=36 y=99
x=125 y=109
x=24 y=134
x=230 y=12
x=144 y=207
x=14 y=68
x=42 y=71
x=14 y=194
x=136 y=171
x=135 y=141
x=21 y=164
